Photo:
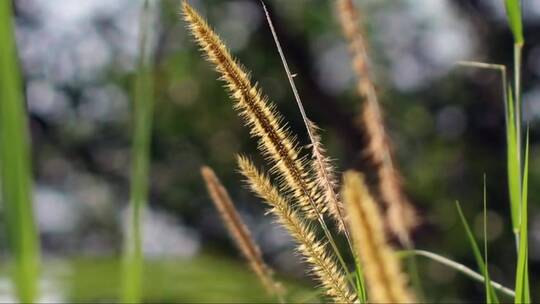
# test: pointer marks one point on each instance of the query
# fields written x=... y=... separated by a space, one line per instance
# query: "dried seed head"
x=238 y=230
x=401 y=217
x=265 y=123
x=385 y=280
x=322 y=265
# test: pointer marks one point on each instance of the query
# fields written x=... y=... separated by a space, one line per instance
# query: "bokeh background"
x=446 y=123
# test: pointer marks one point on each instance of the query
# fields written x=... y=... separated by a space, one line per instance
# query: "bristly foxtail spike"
x=326 y=177
x=275 y=142
x=322 y=266
x=239 y=232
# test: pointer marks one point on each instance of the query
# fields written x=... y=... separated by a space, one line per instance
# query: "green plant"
x=142 y=123
x=307 y=188
x=519 y=206
x=15 y=165
x=303 y=193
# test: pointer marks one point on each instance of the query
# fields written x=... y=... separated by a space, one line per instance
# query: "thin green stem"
x=513 y=133
x=302 y=112
x=518 y=129
x=522 y=271
x=491 y=66
x=412 y=268
x=518 y=107
x=459 y=267
x=311 y=136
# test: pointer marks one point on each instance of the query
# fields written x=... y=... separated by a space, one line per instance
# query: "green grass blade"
x=518 y=109
x=142 y=122
x=472 y=241
x=522 y=273
x=513 y=149
x=490 y=295
x=513 y=165
x=15 y=164
x=359 y=280
x=513 y=13
x=527 y=290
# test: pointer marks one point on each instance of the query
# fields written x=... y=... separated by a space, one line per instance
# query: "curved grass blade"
x=143 y=108
x=512 y=144
x=458 y=267
x=15 y=165
x=491 y=297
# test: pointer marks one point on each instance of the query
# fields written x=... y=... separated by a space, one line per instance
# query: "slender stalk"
x=319 y=158
x=513 y=8
x=513 y=136
x=490 y=66
x=522 y=268
x=306 y=120
x=15 y=165
x=514 y=17
x=416 y=282
x=459 y=267
x=143 y=108
x=482 y=265
x=518 y=109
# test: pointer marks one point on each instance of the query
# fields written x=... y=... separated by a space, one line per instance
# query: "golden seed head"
x=238 y=230
x=314 y=252
x=385 y=281
x=264 y=121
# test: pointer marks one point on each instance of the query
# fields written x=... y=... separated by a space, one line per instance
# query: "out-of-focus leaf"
x=15 y=164
x=513 y=12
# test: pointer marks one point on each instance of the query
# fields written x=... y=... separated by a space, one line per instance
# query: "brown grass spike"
x=401 y=217
x=322 y=265
x=239 y=231
x=385 y=281
x=326 y=177
x=266 y=124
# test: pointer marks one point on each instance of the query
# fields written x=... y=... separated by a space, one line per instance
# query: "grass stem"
x=313 y=143
x=143 y=108
x=459 y=267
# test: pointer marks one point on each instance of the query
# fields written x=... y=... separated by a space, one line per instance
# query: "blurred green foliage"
x=205 y=279
x=15 y=165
